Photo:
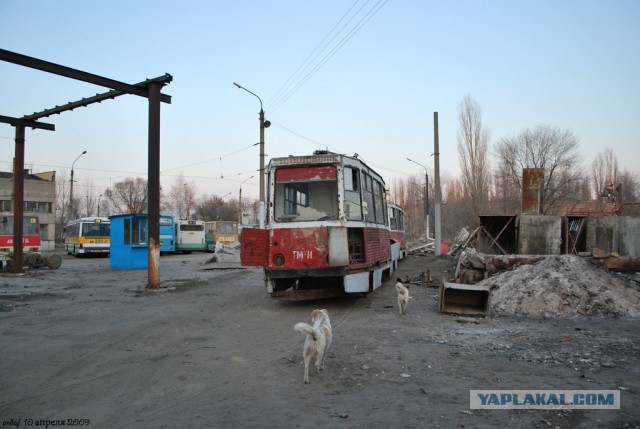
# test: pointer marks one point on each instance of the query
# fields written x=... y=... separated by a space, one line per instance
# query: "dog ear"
x=314 y=313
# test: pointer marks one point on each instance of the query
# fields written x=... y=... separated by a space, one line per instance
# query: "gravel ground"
x=214 y=350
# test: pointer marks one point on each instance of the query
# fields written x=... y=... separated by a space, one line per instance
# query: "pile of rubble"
x=562 y=286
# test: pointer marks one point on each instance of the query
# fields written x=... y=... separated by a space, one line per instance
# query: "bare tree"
x=549 y=148
x=630 y=184
x=605 y=174
x=89 y=205
x=473 y=142
x=62 y=203
x=215 y=208
x=128 y=196
x=181 y=199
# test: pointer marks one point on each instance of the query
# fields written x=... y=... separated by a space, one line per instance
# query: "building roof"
x=27 y=176
x=585 y=208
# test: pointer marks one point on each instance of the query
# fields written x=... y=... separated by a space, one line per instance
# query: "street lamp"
x=263 y=124
x=71 y=189
x=240 y=201
x=426 y=196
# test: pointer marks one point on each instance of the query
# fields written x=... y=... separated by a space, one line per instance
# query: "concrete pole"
x=438 y=194
x=426 y=203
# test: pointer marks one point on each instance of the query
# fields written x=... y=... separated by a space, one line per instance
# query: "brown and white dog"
x=403 y=297
x=318 y=340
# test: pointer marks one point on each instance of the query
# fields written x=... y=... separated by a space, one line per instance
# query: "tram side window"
x=352 y=204
x=6 y=226
x=380 y=203
x=367 y=197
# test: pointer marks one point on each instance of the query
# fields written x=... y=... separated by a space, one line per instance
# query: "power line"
x=284 y=95
x=281 y=90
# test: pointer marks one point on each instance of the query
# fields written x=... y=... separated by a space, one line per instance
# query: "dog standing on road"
x=403 y=297
x=318 y=340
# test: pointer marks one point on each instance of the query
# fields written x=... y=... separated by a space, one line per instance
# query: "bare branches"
x=128 y=196
x=545 y=147
x=473 y=142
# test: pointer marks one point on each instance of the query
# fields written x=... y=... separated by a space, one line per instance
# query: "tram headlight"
x=278 y=259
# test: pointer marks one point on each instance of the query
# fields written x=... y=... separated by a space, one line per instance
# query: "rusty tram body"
x=327 y=228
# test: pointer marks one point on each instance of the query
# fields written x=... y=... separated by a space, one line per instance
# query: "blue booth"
x=129 y=241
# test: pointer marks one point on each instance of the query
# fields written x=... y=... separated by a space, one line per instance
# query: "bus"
x=167 y=234
x=190 y=236
x=30 y=233
x=88 y=236
x=326 y=229
x=223 y=231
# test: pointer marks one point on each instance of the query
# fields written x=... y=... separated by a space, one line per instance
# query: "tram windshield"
x=306 y=194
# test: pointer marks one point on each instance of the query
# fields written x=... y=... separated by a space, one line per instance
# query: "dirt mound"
x=562 y=286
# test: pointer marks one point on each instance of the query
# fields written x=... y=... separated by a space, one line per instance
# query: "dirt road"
x=83 y=342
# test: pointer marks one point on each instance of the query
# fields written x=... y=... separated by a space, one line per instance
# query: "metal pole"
x=262 y=199
x=426 y=203
x=154 y=185
x=240 y=207
x=438 y=195
x=18 y=200
x=263 y=124
x=71 y=215
x=240 y=200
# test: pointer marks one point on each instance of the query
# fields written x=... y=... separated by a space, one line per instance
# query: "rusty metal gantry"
x=150 y=89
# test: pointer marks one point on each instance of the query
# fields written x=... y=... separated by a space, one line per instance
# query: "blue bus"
x=167 y=234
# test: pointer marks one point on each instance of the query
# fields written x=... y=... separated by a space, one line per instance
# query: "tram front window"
x=306 y=201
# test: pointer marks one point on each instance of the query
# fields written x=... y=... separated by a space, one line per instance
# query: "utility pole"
x=438 y=194
x=240 y=201
x=71 y=187
x=263 y=124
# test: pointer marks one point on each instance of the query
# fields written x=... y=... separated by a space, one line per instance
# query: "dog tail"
x=305 y=328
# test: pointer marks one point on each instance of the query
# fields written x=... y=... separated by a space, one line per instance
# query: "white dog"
x=403 y=297
x=318 y=340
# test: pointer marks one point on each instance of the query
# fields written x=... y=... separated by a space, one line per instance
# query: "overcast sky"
x=348 y=76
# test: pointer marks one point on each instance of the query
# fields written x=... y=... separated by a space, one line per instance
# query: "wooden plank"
x=622 y=264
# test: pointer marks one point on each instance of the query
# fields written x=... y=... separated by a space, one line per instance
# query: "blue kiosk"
x=129 y=242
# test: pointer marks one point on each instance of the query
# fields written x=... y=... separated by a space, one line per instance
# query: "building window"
x=37 y=207
x=5 y=206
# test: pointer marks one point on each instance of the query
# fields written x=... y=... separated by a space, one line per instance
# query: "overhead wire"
x=284 y=95
x=279 y=94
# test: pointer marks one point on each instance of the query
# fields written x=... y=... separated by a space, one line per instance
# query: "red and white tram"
x=30 y=233
x=327 y=228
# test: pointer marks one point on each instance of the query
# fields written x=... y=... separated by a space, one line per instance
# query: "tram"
x=327 y=228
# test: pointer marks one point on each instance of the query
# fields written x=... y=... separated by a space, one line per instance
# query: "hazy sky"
x=351 y=76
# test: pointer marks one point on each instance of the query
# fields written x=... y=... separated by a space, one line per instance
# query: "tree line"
x=494 y=188
x=490 y=183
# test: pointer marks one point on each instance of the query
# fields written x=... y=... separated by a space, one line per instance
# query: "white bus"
x=88 y=235
x=190 y=236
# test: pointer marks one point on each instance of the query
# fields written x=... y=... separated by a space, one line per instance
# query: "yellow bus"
x=88 y=235
x=223 y=231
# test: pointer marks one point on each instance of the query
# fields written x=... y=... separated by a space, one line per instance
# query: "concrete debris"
x=422 y=248
x=562 y=286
